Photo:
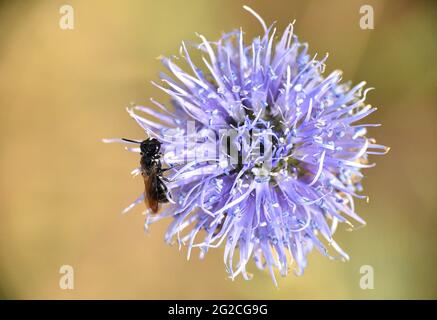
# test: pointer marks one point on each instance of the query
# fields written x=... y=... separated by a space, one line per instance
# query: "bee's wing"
x=151 y=191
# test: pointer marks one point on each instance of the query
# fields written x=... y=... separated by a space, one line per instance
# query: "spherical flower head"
x=264 y=152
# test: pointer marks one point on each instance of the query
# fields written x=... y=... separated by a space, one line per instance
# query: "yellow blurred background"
x=62 y=189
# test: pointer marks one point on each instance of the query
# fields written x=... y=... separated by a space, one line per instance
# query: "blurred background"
x=62 y=190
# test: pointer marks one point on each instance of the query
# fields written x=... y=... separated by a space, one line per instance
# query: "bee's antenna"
x=133 y=141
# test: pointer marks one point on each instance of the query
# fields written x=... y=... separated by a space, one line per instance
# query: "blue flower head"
x=265 y=152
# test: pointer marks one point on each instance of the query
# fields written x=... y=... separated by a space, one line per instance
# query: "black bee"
x=155 y=191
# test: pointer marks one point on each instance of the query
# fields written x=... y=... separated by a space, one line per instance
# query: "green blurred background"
x=62 y=190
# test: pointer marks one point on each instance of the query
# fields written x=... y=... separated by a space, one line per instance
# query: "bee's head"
x=150 y=147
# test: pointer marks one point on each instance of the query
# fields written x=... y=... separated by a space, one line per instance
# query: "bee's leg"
x=166 y=169
x=163 y=198
x=162 y=192
x=165 y=179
